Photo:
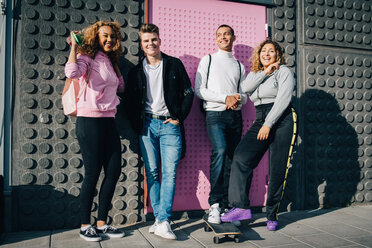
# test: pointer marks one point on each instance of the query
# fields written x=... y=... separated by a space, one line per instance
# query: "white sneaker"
x=152 y=228
x=164 y=230
x=214 y=215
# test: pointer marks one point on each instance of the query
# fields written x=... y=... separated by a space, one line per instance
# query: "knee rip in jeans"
x=154 y=175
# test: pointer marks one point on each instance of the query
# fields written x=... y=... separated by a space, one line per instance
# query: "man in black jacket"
x=158 y=99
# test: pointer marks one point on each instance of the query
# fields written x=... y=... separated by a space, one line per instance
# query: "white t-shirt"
x=155 y=102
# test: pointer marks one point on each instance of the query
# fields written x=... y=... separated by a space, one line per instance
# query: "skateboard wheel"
x=207 y=228
x=236 y=239
x=216 y=240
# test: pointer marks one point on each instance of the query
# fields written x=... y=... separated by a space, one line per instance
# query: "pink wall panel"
x=187 y=30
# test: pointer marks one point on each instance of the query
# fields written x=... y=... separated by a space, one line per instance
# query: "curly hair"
x=255 y=58
x=91 y=43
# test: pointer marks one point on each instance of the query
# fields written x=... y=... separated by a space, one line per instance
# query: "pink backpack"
x=72 y=92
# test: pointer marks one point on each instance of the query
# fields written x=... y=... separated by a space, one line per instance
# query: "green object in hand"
x=78 y=38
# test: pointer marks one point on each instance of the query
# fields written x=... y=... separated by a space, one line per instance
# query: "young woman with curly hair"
x=270 y=85
x=98 y=138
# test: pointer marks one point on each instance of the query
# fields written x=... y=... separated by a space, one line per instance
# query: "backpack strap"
x=209 y=66
x=206 y=84
x=240 y=75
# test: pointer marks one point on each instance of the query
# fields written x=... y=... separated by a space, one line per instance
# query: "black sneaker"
x=90 y=234
x=110 y=231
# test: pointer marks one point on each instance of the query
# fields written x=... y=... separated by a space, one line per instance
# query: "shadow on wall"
x=43 y=207
x=330 y=153
x=243 y=53
x=130 y=151
x=122 y=123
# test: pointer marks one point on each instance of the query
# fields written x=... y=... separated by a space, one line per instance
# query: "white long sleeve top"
x=222 y=81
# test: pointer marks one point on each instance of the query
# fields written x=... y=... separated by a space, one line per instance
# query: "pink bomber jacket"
x=99 y=98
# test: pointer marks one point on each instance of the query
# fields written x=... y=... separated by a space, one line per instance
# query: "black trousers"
x=249 y=152
x=224 y=131
x=101 y=148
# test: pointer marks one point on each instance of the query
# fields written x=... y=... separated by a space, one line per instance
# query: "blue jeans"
x=224 y=131
x=161 y=144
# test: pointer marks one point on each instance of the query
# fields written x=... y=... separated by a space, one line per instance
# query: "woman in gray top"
x=270 y=85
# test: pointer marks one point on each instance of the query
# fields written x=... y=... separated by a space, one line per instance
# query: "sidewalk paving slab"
x=325 y=240
x=349 y=227
x=133 y=239
x=195 y=229
x=296 y=229
x=343 y=230
x=70 y=239
x=183 y=240
x=365 y=240
x=38 y=239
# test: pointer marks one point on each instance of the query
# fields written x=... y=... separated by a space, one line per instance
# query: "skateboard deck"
x=225 y=230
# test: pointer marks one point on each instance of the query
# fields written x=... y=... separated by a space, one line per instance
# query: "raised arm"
x=252 y=81
x=77 y=65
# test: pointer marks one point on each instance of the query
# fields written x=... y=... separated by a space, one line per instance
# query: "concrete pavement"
x=349 y=227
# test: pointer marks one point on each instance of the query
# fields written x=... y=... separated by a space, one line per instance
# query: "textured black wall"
x=334 y=78
x=47 y=168
x=328 y=44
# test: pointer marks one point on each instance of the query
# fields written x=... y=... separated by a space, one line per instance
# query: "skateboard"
x=223 y=231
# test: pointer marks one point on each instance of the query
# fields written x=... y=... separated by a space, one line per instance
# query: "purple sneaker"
x=272 y=225
x=236 y=214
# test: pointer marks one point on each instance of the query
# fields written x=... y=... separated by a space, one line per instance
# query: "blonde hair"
x=255 y=58
x=91 y=43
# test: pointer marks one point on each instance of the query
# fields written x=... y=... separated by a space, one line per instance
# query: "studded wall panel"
x=187 y=30
x=342 y=23
x=334 y=70
x=337 y=127
x=284 y=29
x=47 y=170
